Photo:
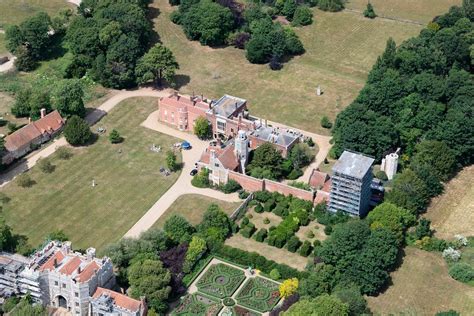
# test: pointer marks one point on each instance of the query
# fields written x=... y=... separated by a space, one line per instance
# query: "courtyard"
x=226 y=289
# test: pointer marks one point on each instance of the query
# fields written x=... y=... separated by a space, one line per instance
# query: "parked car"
x=193 y=172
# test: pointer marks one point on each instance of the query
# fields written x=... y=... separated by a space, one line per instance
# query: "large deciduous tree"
x=150 y=279
x=322 y=305
x=156 y=65
x=77 y=131
x=67 y=97
x=178 y=229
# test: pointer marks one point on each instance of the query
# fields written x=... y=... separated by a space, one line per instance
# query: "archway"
x=62 y=301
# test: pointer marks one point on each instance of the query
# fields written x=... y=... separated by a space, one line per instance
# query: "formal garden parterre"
x=259 y=294
x=220 y=280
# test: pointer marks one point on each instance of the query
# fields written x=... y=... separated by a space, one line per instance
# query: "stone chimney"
x=90 y=253
x=79 y=270
x=29 y=120
x=43 y=112
x=55 y=262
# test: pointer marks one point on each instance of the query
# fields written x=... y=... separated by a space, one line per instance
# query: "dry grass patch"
x=16 y=11
x=452 y=212
x=316 y=228
x=283 y=256
x=6 y=102
x=192 y=207
x=128 y=184
x=258 y=218
x=422 y=286
x=340 y=50
x=422 y=11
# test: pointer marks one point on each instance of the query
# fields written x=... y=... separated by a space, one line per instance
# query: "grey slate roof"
x=227 y=105
x=352 y=164
x=275 y=136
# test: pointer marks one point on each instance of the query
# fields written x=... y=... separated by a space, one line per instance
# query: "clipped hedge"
x=306 y=249
x=293 y=244
x=261 y=235
x=257 y=261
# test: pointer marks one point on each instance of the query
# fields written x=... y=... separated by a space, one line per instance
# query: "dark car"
x=193 y=172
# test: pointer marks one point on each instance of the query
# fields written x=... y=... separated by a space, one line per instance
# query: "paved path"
x=183 y=184
x=91 y=118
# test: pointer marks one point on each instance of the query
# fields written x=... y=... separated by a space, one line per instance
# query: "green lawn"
x=192 y=207
x=16 y=11
x=340 y=50
x=3 y=49
x=128 y=184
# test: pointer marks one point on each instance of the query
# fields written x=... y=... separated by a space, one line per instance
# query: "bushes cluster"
x=306 y=249
x=247 y=229
x=261 y=235
x=230 y=187
x=462 y=272
x=201 y=180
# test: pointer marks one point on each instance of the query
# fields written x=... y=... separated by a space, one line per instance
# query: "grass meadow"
x=16 y=11
x=340 y=50
x=128 y=184
x=192 y=207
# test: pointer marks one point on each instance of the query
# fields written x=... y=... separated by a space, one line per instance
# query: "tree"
x=23 y=180
x=150 y=279
x=178 y=229
x=351 y=296
x=322 y=305
x=289 y=8
x=171 y=161
x=331 y=5
x=267 y=158
x=325 y=122
x=67 y=97
x=390 y=216
x=6 y=236
x=215 y=225
x=156 y=65
x=322 y=279
x=303 y=16
x=437 y=156
x=208 y=22
x=423 y=229
x=369 y=11
x=24 y=59
x=26 y=307
x=196 y=249
x=409 y=192
x=115 y=137
x=58 y=235
x=77 y=131
x=288 y=287
x=301 y=155
x=202 y=129
x=45 y=165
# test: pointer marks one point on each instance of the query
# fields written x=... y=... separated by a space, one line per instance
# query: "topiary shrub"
x=293 y=244
x=281 y=210
x=262 y=196
x=269 y=205
x=230 y=187
x=309 y=234
x=115 y=137
x=275 y=274
x=258 y=208
x=77 y=131
x=328 y=230
x=261 y=235
x=266 y=220
x=303 y=16
x=243 y=194
x=247 y=231
x=306 y=249
x=245 y=221
x=325 y=122
x=462 y=272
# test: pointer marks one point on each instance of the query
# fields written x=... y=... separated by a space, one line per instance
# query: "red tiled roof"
x=51 y=123
x=120 y=300
x=318 y=178
x=182 y=102
x=88 y=272
x=71 y=266
x=327 y=186
x=321 y=196
x=49 y=265
x=228 y=158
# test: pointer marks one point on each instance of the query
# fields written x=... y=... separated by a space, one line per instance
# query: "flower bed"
x=197 y=304
x=259 y=294
x=220 y=280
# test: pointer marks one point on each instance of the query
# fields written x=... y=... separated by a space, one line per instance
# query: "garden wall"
x=272 y=186
x=252 y=184
x=248 y=183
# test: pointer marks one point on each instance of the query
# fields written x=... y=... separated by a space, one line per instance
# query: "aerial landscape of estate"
x=236 y=157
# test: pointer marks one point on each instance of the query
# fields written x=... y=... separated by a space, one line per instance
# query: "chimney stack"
x=55 y=262
x=29 y=120
x=43 y=112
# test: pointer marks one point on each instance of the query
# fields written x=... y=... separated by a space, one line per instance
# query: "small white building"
x=389 y=165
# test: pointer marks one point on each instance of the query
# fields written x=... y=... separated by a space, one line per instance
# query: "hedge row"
x=257 y=261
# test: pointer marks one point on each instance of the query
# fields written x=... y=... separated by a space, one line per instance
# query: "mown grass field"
x=3 y=49
x=422 y=286
x=192 y=207
x=16 y=11
x=340 y=50
x=452 y=212
x=422 y=11
x=128 y=184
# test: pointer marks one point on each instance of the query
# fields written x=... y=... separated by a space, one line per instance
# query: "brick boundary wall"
x=248 y=183
x=252 y=184
x=272 y=186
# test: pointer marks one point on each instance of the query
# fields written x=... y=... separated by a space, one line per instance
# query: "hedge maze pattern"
x=259 y=294
x=197 y=304
x=220 y=280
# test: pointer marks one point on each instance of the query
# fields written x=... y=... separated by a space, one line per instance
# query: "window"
x=64 y=285
x=220 y=125
x=56 y=283
x=77 y=304
x=76 y=294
